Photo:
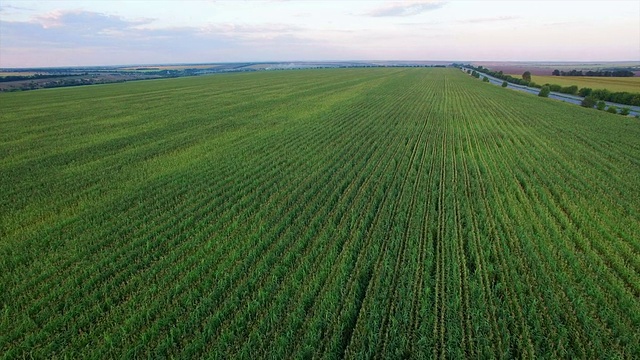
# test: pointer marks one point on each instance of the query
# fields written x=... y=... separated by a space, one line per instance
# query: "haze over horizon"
x=87 y=33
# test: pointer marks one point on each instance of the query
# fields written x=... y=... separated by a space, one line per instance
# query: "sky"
x=51 y=33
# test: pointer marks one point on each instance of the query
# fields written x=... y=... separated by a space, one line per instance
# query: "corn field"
x=337 y=213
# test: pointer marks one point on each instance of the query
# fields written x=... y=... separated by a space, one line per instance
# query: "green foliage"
x=625 y=98
x=605 y=73
x=505 y=84
x=485 y=79
x=601 y=94
x=526 y=76
x=555 y=87
x=572 y=90
x=338 y=213
x=612 y=109
x=544 y=92
x=625 y=111
x=585 y=92
x=588 y=102
x=601 y=105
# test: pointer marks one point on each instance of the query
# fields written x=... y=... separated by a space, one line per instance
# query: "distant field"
x=171 y=67
x=629 y=84
x=545 y=69
x=17 y=73
x=355 y=213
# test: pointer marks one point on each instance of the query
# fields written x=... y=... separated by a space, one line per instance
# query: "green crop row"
x=336 y=213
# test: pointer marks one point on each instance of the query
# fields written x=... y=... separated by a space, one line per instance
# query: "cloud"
x=562 y=23
x=86 y=21
x=96 y=38
x=251 y=31
x=12 y=7
x=406 y=8
x=86 y=38
x=69 y=29
x=74 y=28
x=488 y=19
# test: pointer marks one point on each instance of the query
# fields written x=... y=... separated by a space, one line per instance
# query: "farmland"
x=613 y=84
x=546 y=68
x=16 y=73
x=332 y=213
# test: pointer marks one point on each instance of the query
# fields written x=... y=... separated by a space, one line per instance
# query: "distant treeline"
x=55 y=83
x=29 y=77
x=500 y=75
x=625 y=98
x=603 y=73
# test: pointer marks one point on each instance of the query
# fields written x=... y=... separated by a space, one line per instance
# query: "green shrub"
x=601 y=105
x=544 y=92
x=588 y=101
x=585 y=92
x=625 y=111
x=572 y=90
x=555 y=87
x=505 y=84
x=612 y=109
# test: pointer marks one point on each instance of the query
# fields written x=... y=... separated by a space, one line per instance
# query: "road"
x=573 y=99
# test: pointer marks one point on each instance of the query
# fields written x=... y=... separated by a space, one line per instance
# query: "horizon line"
x=546 y=62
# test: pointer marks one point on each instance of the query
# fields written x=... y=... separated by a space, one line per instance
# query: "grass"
x=331 y=213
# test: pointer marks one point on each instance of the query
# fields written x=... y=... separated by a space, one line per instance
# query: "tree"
x=601 y=105
x=556 y=72
x=544 y=92
x=585 y=92
x=526 y=76
x=588 y=101
x=625 y=111
x=505 y=84
x=555 y=87
x=572 y=90
x=602 y=94
x=612 y=109
x=485 y=79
